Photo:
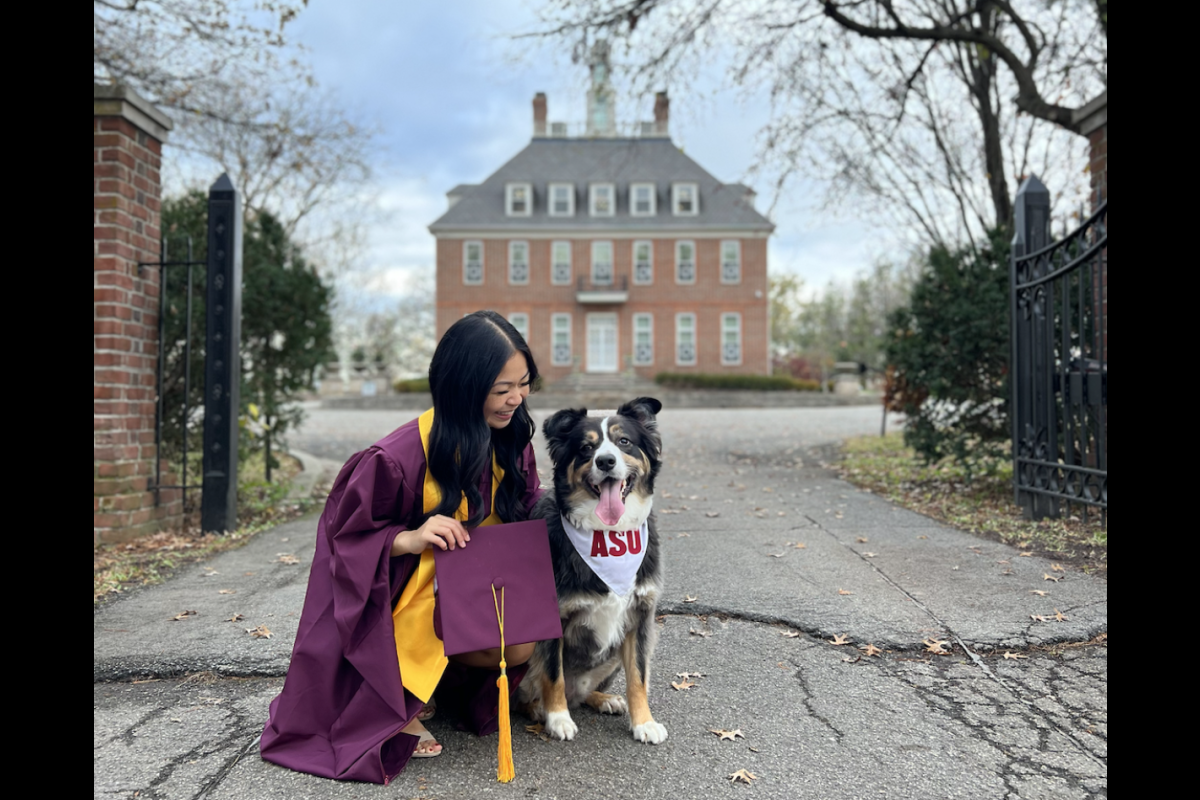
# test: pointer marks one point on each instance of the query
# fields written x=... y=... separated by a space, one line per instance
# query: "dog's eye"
x=624 y=442
x=587 y=448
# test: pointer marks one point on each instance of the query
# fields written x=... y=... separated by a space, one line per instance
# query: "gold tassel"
x=506 y=770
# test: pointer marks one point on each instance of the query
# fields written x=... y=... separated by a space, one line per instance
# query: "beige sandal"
x=427 y=711
x=426 y=736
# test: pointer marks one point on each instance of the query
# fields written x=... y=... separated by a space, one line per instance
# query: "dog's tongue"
x=611 y=506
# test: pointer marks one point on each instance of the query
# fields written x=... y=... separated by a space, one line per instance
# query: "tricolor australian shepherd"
x=606 y=568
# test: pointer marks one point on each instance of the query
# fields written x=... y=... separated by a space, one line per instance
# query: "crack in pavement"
x=976 y=659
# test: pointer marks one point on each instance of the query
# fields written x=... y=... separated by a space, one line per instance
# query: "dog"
x=604 y=471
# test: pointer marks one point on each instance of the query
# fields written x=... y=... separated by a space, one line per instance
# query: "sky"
x=450 y=89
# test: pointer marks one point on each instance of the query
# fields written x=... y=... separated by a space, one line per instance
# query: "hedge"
x=761 y=383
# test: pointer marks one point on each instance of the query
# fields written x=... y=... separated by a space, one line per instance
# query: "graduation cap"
x=498 y=590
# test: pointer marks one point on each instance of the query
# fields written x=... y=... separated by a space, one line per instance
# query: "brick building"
x=127 y=138
x=610 y=252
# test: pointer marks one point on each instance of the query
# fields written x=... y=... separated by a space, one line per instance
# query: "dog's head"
x=604 y=467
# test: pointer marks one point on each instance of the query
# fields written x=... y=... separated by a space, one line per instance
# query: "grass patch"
x=981 y=503
x=121 y=566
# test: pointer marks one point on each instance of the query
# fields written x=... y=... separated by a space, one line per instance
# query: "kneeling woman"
x=366 y=659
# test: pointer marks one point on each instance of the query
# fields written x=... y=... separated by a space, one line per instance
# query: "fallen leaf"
x=689 y=599
x=790 y=634
x=1038 y=617
x=1026 y=554
x=1046 y=576
x=742 y=776
x=781 y=514
x=922 y=536
x=236 y=618
x=681 y=535
x=752 y=749
x=227 y=591
x=843 y=591
x=284 y=539
x=261 y=632
x=869 y=555
x=1060 y=616
x=1039 y=592
x=1011 y=656
x=711 y=514
x=871 y=650
x=775 y=555
x=840 y=639
x=800 y=545
x=852 y=659
x=701 y=634
x=248 y=574
x=183 y=615
x=861 y=540
x=936 y=646
x=681 y=685
x=211 y=573
x=287 y=558
x=725 y=735
x=538 y=731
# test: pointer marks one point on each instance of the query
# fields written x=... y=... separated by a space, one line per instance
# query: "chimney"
x=662 y=113
x=539 y=114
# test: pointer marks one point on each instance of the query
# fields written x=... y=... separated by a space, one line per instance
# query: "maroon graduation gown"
x=343 y=704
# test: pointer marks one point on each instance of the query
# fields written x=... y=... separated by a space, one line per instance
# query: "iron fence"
x=1059 y=360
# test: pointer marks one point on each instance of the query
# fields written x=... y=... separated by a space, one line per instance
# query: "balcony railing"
x=602 y=293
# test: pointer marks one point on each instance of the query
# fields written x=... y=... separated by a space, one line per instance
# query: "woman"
x=366 y=659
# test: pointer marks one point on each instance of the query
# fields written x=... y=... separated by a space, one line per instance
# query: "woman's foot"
x=427 y=711
x=427 y=746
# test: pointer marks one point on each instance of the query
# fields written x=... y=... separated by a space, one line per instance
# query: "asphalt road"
x=770 y=560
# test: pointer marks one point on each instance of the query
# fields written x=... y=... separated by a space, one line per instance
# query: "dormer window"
x=562 y=199
x=518 y=199
x=641 y=199
x=602 y=200
x=685 y=200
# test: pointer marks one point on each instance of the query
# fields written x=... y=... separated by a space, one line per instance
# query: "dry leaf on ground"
x=227 y=591
x=260 y=632
x=1011 y=656
x=712 y=514
x=1039 y=592
x=861 y=540
x=236 y=618
x=1046 y=576
x=287 y=558
x=183 y=615
x=689 y=598
x=871 y=650
x=701 y=634
x=742 y=776
x=681 y=685
x=790 y=634
x=843 y=591
x=936 y=646
x=732 y=736
x=840 y=639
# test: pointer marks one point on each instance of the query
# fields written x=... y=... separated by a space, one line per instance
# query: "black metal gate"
x=222 y=371
x=1059 y=360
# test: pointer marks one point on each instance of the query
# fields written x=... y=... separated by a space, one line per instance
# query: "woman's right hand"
x=444 y=532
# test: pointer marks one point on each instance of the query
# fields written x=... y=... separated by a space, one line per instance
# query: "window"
x=685 y=339
x=731 y=339
x=518 y=199
x=473 y=263
x=602 y=263
x=685 y=262
x=641 y=199
x=518 y=262
x=603 y=200
x=560 y=332
x=731 y=261
x=521 y=323
x=560 y=263
x=685 y=200
x=643 y=263
x=643 y=339
x=562 y=199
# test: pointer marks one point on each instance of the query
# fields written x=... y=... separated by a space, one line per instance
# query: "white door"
x=602 y=343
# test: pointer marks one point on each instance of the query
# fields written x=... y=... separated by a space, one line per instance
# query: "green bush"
x=700 y=380
x=948 y=355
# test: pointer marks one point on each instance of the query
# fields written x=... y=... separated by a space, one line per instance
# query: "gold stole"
x=418 y=650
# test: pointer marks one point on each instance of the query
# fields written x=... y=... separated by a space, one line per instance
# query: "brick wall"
x=707 y=298
x=127 y=137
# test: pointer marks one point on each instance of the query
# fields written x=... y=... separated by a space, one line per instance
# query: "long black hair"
x=468 y=359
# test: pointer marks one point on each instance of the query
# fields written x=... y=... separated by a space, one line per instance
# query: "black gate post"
x=222 y=369
x=1034 y=428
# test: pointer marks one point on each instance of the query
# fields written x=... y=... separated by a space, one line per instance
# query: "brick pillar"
x=127 y=137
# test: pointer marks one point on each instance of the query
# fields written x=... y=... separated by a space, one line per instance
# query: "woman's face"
x=508 y=392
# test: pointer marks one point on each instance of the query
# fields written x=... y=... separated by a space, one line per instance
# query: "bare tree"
x=932 y=109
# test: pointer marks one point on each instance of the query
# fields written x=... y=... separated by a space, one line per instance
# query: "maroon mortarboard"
x=497 y=591
x=515 y=559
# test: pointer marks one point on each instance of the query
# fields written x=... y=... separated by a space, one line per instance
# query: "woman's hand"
x=444 y=532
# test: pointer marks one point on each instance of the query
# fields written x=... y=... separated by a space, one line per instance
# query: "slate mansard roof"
x=481 y=207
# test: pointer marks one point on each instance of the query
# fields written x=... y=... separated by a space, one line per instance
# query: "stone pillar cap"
x=116 y=100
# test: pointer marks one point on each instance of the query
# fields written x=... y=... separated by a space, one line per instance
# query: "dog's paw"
x=650 y=732
x=560 y=725
x=607 y=703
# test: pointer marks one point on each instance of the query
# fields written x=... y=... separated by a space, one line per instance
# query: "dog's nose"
x=606 y=461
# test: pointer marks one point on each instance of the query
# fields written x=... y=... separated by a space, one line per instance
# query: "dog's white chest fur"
x=605 y=616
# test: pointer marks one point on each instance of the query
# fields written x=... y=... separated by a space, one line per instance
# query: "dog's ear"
x=642 y=409
x=558 y=428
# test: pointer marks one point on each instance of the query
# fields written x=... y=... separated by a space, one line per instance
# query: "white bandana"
x=614 y=556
